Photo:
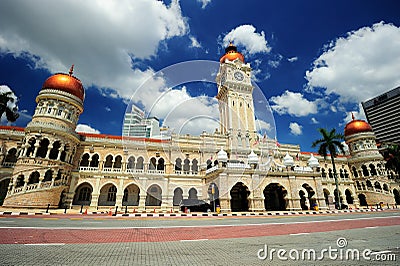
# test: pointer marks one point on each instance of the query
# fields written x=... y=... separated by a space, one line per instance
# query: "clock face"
x=238 y=75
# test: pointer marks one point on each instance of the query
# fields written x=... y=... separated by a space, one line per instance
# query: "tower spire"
x=352 y=116
x=71 y=70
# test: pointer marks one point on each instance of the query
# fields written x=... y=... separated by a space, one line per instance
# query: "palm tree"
x=330 y=142
x=11 y=113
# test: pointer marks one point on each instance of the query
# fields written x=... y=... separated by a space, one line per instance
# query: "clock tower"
x=236 y=100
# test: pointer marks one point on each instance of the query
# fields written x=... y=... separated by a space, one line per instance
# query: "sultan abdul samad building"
x=49 y=163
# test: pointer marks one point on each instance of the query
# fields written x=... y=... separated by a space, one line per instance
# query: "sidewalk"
x=16 y=212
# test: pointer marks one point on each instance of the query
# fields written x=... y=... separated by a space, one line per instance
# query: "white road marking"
x=371 y=227
x=192 y=240
x=45 y=244
x=299 y=234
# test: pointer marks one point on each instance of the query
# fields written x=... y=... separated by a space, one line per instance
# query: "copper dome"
x=67 y=83
x=356 y=126
x=231 y=54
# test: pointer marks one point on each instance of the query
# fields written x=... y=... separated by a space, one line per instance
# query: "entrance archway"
x=239 y=194
x=108 y=195
x=178 y=196
x=349 y=196
x=154 y=194
x=3 y=189
x=131 y=195
x=274 y=195
x=213 y=195
x=396 y=196
x=83 y=194
x=362 y=199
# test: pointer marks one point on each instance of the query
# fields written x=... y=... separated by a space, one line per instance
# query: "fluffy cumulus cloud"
x=295 y=128
x=247 y=36
x=100 y=41
x=262 y=126
x=86 y=129
x=361 y=65
x=293 y=103
x=195 y=43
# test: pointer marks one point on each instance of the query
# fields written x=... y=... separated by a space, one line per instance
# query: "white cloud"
x=204 y=3
x=274 y=63
x=195 y=43
x=293 y=59
x=314 y=120
x=295 y=128
x=100 y=37
x=262 y=125
x=293 y=103
x=358 y=114
x=247 y=36
x=361 y=65
x=108 y=109
x=86 y=129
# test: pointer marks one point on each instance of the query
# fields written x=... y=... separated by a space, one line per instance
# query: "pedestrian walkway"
x=17 y=212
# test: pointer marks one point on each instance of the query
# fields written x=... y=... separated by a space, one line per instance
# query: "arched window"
x=195 y=167
x=192 y=193
x=152 y=164
x=330 y=173
x=109 y=161
x=365 y=170
x=34 y=178
x=373 y=170
x=186 y=166
x=323 y=173
x=131 y=163
x=42 y=150
x=209 y=164
x=85 y=160
x=95 y=161
x=178 y=164
x=139 y=164
x=160 y=165
x=55 y=150
x=20 y=181
x=118 y=162
x=48 y=176
x=354 y=170
x=341 y=174
x=11 y=156
x=31 y=147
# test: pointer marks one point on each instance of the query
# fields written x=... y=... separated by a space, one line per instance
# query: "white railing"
x=31 y=187
x=8 y=164
x=212 y=169
x=156 y=171
x=135 y=171
x=180 y=172
x=238 y=165
x=88 y=169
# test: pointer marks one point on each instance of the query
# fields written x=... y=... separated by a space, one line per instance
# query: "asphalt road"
x=101 y=240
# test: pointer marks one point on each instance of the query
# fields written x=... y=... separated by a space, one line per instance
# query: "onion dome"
x=313 y=162
x=252 y=158
x=222 y=156
x=356 y=126
x=231 y=54
x=65 y=82
x=288 y=160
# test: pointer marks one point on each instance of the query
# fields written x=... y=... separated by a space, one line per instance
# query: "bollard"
x=81 y=208
x=126 y=209
x=65 y=209
x=116 y=210
x=48 y=206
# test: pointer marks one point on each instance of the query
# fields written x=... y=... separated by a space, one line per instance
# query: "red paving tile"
x=86 y=236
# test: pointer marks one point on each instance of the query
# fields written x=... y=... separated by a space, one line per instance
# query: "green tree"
x=11 y=113
x=392 y=157
x=331 y=142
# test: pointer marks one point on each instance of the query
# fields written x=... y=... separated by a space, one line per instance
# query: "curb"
x=238 y=214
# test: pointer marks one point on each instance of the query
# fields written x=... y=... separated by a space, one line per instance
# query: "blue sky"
x=314 y=61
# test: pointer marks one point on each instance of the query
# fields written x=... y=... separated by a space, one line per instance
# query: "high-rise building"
x=136 y=125
x=383 y=114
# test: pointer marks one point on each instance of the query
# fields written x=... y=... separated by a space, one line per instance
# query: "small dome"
x=288 y=160
x=222 y=156
x=67 y=83
x=356 y=126
x=313 y=162
x=231 y=54
x=252 y=158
